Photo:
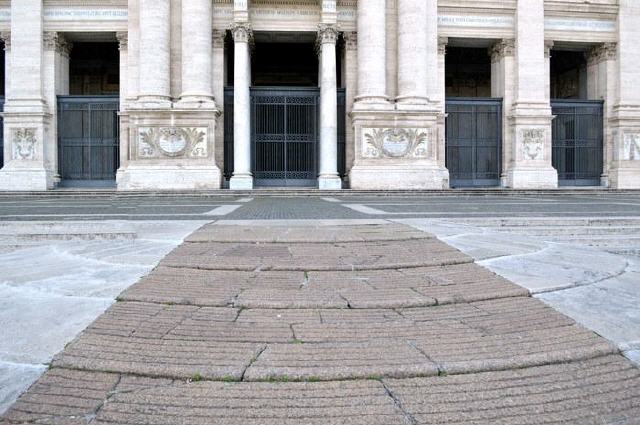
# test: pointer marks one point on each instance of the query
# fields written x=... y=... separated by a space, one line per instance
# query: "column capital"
x=602 y=52
x=327 y=34
x=242 y=32
x=218 y=38
x=442 y=45
x=6 y=38
x=351 y=40
x=502 y=48
x=548 y=45
x=56 y=42
x=123 y=40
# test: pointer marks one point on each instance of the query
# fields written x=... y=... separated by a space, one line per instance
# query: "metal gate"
x=577 y=142
x=1 y=133
x=474 y=141
x=88 y=139
x=284 y=135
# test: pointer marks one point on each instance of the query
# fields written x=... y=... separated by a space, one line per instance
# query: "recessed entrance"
x=285 y=107
x=88 y=142
x=578 y=124
x=474 y=120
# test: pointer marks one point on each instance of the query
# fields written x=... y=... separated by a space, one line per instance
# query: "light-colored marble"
x=50 y=289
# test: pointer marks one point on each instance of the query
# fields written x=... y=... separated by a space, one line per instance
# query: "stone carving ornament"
x=396 y=142
x=24 y=144
x=172 y=142
x=532 y=144
x=631 y=147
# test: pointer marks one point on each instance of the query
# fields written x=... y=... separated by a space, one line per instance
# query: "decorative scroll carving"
x=123 y=40
x=602 y=52
x=396 y=142
x=631 y=147
x=24 y=144
x=56 y=41
x=442 y=45
x=501 y=49
x=327 y=34
x=217 y=37
x=6 y=38
x=548 y=45
x=532 y=143
x=172 y=142
x=351 y=40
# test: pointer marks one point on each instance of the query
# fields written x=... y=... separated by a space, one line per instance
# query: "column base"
x=532 y=178
x=167 y=177
x=404 y=176
x=197 y=102
x=241 y=182
x=625 y=178
x=26 y=179
x=329 y=183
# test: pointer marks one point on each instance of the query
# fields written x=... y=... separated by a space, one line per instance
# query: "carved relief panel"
x=631 y=147
x=532 y=142
x=406 y=143
x=172 y=142
x=24 y=143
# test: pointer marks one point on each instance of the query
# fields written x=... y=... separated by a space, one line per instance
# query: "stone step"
x=628 y=231
x=533 y=222
x=29 y=231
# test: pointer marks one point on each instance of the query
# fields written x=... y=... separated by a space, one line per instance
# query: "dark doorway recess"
x=474 y=141
x=467 y=72
x=88 y=143
x=94 y=69
x=568 y=75
x=577 y=141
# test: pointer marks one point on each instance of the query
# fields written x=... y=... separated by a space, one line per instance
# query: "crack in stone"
x=253 y=360
x=408 y=417
x=91 y=417
x=413 y=345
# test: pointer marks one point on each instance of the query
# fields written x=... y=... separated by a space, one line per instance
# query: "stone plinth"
x=397 y=150
x=170 y=150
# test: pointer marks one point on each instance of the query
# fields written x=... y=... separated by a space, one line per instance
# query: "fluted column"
x=196 y=53
x=372 y=53
x=242 y=178
x=155 y=59
x=413 y=55
x=328 y=177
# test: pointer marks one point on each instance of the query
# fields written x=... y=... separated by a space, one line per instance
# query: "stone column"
x=6 y=39
x=27 y=137
x=415 y=62
x=440 y=100
x=242 y=178
x=155 y=55
x=372 y=55
x=530 y=120
x=133 y=52
x=328 y=177
x=625 y=121
x=548 y=45
x=503 y=86
x=123 y=46
x=197 y=54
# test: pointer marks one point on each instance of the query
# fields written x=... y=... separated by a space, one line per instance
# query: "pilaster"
x=529 y=165
x=350 y=75
x=218 y=83
x=29 y=159
x=624 y=171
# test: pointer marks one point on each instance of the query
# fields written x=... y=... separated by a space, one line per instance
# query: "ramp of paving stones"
x=371 y=324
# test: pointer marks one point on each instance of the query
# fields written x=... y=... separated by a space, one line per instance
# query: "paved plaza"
x=350 y=309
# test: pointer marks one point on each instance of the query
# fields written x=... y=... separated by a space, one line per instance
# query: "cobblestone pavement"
x=303 y=324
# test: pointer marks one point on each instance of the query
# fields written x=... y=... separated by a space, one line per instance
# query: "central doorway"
x=285 y=111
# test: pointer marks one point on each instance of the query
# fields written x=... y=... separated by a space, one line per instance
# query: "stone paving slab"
x=605 y=390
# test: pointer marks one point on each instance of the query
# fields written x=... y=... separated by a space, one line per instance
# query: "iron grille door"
x=577 y=142
x=88 y=140
x=284 y=136
x=1 y=133
x=474 y=141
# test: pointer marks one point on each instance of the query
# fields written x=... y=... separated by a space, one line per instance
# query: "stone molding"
x=602 y=52
x=407 y=143
x=24 y=142
x=172 y=142
x=123 y=40
x=502 y=49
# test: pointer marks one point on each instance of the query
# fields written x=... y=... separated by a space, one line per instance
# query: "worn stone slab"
x=159 y=357
x=605 y=390
x=309 y=257
x=339 y=361
x=217 y=232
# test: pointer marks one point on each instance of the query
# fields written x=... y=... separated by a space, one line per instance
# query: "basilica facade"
x=331 y=94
